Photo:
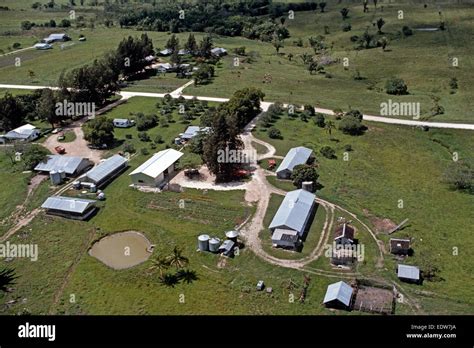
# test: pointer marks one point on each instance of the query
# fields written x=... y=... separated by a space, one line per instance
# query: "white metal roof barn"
x=157 y=169
x=294 y=157
x=294 y=211
x=71 y=165
x=106 y=170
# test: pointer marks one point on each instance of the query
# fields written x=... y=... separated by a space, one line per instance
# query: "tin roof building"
x=69 y=207
x=294 y=211
x=107 y=170
x=157 y=169
x=296 y=156
x=71 y=165
x=26 y=132
x=338 y=295
x=408 y=273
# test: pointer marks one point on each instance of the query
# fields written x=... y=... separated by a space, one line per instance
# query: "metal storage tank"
x=214 y=244
x=177 y=141
x=62 y=173
x=77 y=185
x=93 y=188
x=203 y=242
x=55 y=177
x=101 y=196
x=232 y=235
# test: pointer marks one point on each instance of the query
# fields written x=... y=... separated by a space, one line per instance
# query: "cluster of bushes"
x=27 y=25
x=351 y=123
x=145 y=122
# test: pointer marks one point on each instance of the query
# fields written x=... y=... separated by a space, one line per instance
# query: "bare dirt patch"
x=382 y=225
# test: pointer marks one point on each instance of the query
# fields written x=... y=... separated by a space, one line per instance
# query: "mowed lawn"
x=389 y=164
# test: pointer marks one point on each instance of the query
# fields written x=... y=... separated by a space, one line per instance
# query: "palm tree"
x=187 y=275
x=7 y=279
x=169 y=279
x=329 y=127
x=160 y=264
x=177 y=259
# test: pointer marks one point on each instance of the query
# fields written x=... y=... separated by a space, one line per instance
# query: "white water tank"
x=62 y=173
x=203 y=242
x=307 y=186
x=101 y=196
x=214 y=244
x=55 y=177
x=93 y=188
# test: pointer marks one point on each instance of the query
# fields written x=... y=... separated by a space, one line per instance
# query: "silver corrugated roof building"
x=408 y=272
x=294 y=157
x=70 y=164
x=68 y=204
x=339 y=291
x=105 y=169
x=294 y=211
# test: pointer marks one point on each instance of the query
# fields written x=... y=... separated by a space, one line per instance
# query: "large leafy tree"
x=191 y=45
x=12 y=113
x=304 y=172
x=46 y=107
x=223 y=137
x=244 y=105
x=99 y=131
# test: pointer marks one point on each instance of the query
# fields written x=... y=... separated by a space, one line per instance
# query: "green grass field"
x=389 y=164
x=425 y=58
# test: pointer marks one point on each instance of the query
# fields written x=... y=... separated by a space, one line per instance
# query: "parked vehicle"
x=60 y=150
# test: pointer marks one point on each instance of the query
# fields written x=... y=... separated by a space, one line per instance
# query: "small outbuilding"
x=218 y=51
x=166 y=52
x=71 y=165
x=296 y=156
x=227 y=248
x=285 y=238
x=123 y=123
x=56 y=37
x=409 y=274
x=399 y=246
x=69 y=207
x=106 y=171
x=193 y=131
x=157 y=169
x=338 y=295
x=26 y=132
x=344 y=234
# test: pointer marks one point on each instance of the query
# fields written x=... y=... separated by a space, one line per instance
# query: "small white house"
x=26 y=132
x=157 y=169
x=123 y=123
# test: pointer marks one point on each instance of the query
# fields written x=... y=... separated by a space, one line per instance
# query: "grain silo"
x=232 y=235
x=214 y=244
x=203 y=242
x=55 y=177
